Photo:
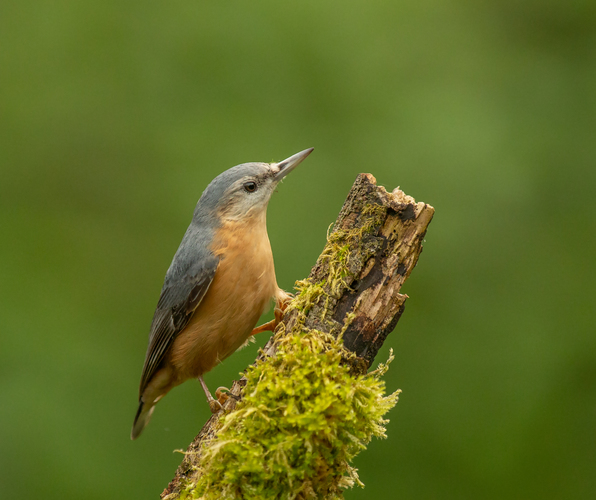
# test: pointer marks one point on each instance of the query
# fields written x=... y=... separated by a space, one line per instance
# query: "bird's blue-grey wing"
x=186 y=284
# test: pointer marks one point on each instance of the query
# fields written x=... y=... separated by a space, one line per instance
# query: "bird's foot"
x=278 y=312
x=215 y=406
x=267 y=327
x=281 y=304
x=223 y=394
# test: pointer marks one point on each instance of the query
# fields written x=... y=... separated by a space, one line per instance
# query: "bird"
x=220 y=281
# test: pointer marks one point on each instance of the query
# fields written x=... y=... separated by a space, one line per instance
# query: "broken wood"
x=353 y=290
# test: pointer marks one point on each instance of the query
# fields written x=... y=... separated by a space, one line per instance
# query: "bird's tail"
x=141 y=419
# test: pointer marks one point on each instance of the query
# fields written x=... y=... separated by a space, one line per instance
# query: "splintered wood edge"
x=379 y=305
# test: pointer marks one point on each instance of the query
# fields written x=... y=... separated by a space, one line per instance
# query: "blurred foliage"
x=115 y=115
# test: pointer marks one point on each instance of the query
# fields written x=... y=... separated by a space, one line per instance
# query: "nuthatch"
x=219 y=283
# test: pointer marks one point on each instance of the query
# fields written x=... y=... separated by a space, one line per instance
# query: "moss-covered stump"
x=308 y=406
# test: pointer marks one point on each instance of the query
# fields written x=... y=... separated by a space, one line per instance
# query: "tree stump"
x=352 y=292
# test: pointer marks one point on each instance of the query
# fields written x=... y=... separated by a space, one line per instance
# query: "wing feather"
x=180 y=296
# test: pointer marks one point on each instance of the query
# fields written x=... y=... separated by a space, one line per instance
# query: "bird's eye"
x=250 y=187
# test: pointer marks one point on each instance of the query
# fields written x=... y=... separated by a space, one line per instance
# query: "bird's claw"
x=215 y=406
x=223 y=394
x=278 y=312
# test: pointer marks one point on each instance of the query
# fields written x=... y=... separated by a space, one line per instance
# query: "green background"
x=115 y=115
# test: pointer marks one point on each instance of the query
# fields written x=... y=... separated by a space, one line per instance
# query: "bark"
x=374 y=245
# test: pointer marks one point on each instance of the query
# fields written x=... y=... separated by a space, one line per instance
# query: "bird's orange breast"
x=241 y=291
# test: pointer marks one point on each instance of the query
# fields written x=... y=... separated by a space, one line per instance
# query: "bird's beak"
x=284 y=167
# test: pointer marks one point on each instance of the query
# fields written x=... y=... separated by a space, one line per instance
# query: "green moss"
x=303 y=418
x=337 y=257
x=342 y=258
x=307 y=295
x=305 y=414
x=371 y=217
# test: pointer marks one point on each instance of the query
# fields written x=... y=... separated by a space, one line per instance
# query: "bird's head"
x=244 y=190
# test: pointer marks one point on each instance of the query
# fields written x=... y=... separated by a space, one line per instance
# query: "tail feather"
x=141 y=419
